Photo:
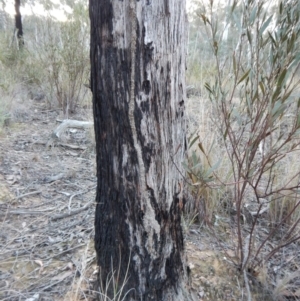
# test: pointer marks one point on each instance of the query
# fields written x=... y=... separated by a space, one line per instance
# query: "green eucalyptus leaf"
x=249 y=36
x=253 y=15
x=278 y=110
x=298 y=120
x=213 y=168
x=204 y=19
x=233 y=6
x=265 y=25
x=201 y=147
x=186 y=167
x=280 y=7
x=194 y=158
x=225 y=134
x=286 y=96
x=234 y=65
x=244 y=76
x=208 y=88
x=282 y=77
x=196 y=167
x=193 y=141
x=209 y=179
x=272 y=39
x=262 y=87
x=291 y=43
x=216 y=46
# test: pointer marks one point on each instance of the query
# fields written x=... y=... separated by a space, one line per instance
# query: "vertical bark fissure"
x=149 y=216
x=137 y=147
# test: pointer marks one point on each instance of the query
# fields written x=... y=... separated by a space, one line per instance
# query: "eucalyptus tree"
x=138 y=85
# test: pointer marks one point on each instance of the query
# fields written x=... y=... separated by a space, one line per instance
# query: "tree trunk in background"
x=138 y=85
x=18 y=22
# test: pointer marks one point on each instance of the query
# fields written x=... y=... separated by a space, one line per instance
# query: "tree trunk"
x=18 y=22
x=138 y=85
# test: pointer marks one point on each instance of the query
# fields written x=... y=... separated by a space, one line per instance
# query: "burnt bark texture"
x=18 y=23
x=138 y=85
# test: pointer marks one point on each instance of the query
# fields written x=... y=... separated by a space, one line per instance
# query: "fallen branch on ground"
x=27 y=194
x=67 y=214
x=70 y=124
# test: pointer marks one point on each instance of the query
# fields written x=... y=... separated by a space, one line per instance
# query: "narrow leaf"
x=208 y=88
x=186 y=167
x=287 y=95
x=213 y=168
x=298 y=121
x=193 y=141
x=209 y=179
x=234 y=65
x=201 y=147
x=233 y=6
x=194 y=159
x=204 y=18
x=249 y=36
x=253 y=15
x=278 y=110
x=265 y=25
x=225 y=134
x=276 y=94
x=196 y=167
x=282 y=77
x=280 y=8
x=244 y=76
x=216 y=47
x=272 y=39
x=262 y=88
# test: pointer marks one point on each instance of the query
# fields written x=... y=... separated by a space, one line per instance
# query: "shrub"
x=64 y=55
x=257 y=117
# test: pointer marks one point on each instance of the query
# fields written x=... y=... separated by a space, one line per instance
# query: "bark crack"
x=150 y=223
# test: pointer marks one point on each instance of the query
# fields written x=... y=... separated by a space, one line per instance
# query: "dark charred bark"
x=18 y=23
x=137 y=80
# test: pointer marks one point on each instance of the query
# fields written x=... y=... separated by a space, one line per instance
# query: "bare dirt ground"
x=47 y=192
x=215 y=275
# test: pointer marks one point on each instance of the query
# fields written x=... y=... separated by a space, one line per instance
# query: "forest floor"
x=47 y=193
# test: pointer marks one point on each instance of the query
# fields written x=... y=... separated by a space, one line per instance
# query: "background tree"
x=18 y=22
x=137 y=80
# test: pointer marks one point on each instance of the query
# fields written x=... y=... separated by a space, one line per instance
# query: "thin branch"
x=68 y=214
x=28 y=194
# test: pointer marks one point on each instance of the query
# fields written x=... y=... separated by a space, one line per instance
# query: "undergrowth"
x=243 y=159
x=53 y=65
